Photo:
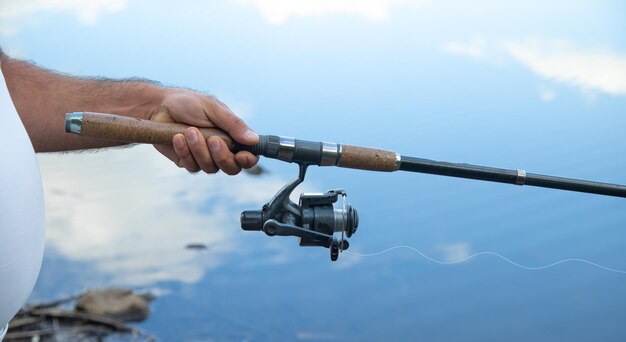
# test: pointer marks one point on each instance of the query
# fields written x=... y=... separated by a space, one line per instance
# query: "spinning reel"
x=314 y=220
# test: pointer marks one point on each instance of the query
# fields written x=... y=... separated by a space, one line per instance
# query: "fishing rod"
x=315 y=220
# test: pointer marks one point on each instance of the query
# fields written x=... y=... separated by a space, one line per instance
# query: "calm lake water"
x=527 y=85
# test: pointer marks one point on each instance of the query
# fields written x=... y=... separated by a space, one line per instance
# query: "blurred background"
x=534 y=85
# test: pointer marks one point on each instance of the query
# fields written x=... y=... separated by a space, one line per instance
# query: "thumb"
x=234 y=126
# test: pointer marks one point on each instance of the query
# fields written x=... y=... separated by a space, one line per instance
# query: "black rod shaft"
x=509 y=176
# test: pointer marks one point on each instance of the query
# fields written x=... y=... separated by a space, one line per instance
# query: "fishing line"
x=487 y=253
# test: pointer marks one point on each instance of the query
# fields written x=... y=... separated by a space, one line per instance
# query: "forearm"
x=42 y=98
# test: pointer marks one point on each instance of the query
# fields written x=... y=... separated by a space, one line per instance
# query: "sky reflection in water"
x=521 y=85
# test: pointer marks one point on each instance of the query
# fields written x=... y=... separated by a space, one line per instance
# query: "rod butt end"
x=73 y=122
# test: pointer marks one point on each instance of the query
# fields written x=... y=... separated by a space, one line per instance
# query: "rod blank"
x=509 y=176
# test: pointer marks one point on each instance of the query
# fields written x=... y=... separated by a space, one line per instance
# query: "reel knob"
x=252 y=220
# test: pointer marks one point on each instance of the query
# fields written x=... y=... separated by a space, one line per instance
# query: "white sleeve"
x=21 y=211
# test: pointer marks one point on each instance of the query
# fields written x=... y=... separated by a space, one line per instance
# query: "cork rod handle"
x=133 y=130
x=366 y=158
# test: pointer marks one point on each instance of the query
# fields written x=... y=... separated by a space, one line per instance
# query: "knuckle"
x=209 y=168
x=187 y=162
x=232 y=172
x=247 y=161
x=215 y=101
x=187 y=158
x=195 y=149
x=226 y=162
x=206 y=163
x=243 y=163
x=212 y=103
x=237 y=122
x=182 y=152
x=252 y=160
x=192 y=167
x=223 y=158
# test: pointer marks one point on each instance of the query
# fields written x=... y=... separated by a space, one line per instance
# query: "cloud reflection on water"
x=561 y=61
x=130 y=213
x=280 y=11
x=590 y=69
x=474 y=48
x=452 y=252
x=14 y=14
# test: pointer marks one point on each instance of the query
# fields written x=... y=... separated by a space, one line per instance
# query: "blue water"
x=507 y=85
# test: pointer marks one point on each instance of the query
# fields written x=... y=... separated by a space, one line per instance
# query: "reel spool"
x=314 y=219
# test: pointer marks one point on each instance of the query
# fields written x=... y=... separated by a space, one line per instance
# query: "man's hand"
x=190 y=150
x=42 y=97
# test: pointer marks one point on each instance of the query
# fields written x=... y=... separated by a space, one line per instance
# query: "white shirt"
x=21 y=212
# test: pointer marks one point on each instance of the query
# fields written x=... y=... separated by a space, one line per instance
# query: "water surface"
x=515 y=85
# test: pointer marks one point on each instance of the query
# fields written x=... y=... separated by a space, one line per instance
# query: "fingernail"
x=192 y=136
x=215 y=145
x=179 y=143
x=250 y=135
